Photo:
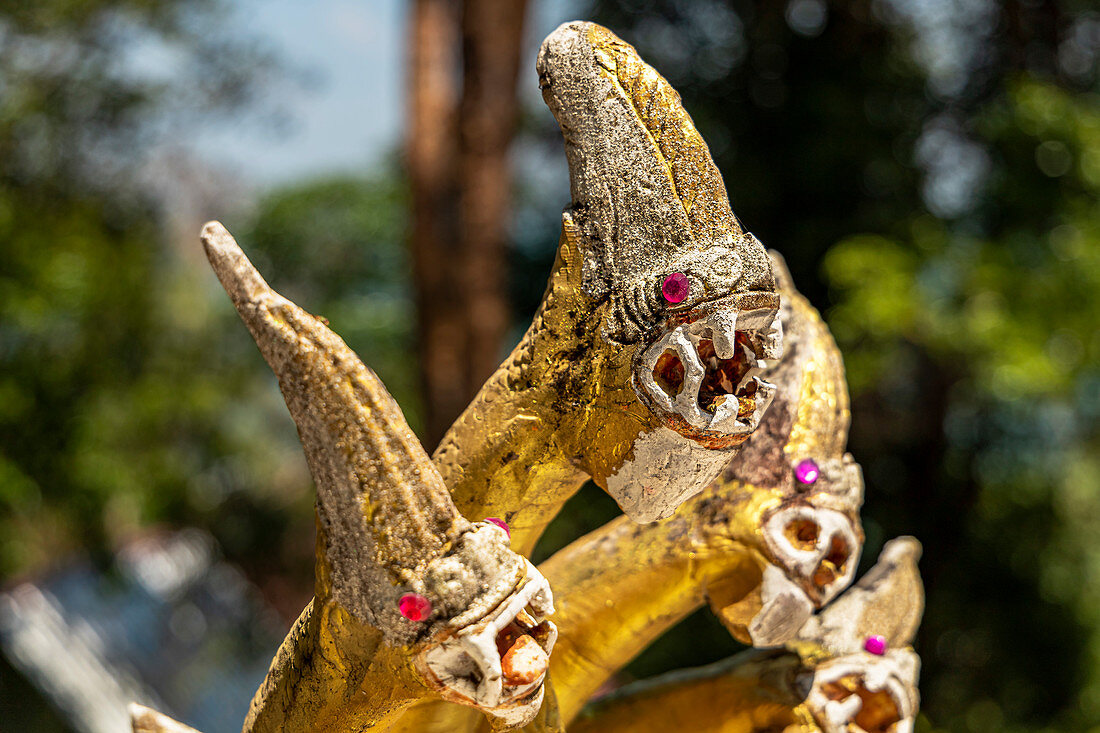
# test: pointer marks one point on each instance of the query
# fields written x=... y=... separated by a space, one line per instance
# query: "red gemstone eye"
x=807 y=471
x=414 y=607
x=500 y=523
x=676 y=288
x=875 y=644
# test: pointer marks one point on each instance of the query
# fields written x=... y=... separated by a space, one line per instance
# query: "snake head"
x=861 y=672
x=394 y=552
x=808 y=540
x=864 y=693
x=815 y=534
x=492 y=657
x=682 y=309
x=659 y=246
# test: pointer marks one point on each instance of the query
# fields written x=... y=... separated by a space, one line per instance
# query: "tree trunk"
x=492 y=40
x=461 y=192
x=431 y=150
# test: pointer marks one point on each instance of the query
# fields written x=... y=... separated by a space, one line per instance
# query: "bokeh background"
x=930 y=169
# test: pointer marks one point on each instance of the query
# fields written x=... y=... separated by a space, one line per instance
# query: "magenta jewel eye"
x=807 y=471
x=414 y=607
x=676 y=288
x=875 y=644
x=500 y=523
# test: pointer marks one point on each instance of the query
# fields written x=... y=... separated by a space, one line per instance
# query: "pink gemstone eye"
x=875 y=644
x=676 y=288
x=500 y=523
x=414 y=607
x=807 y=471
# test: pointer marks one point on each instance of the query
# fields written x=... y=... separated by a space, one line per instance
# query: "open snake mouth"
x=877 y=710
x=498 y=664
x=704 y=372
x=819 y=548
x=853 y=694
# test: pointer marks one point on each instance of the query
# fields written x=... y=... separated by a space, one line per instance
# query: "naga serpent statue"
x=672 y=362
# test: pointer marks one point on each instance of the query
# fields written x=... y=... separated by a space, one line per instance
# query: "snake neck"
x=514 y=453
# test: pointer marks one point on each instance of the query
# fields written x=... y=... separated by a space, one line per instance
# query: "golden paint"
x=795 y=689
x=823 y=408
x=387 y=526
x=620 y=587
x=564 y=406
x=647 y=200
x=751 y=697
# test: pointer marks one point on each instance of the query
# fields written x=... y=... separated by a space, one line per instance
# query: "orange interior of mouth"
x=669 y=373
x=879 y=712
x=722 y=375
x=522 y=657
x=802 y=534
x=719 y=381
x=833 y=564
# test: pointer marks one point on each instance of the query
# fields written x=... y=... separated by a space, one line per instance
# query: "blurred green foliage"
x=134 y=395
x=91 y=441
x=130 y=393
x=1009 y=308
x=338 y=244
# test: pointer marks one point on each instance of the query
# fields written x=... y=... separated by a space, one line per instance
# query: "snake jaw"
x=785 y=607
x=815 y=534
x=818 y=548
x=498 y=662
x=865 y=693
x=702 y=375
